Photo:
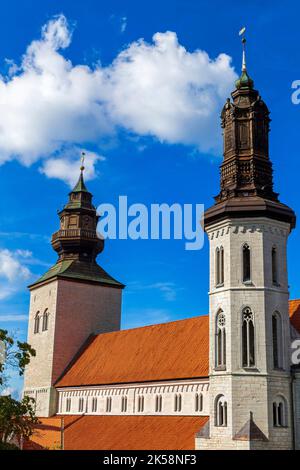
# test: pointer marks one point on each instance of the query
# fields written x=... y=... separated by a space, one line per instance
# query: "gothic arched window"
x=221 y=411
x=45 y=320
x=277 y=341
x=280 y=412
x=274 y=266
x=37 y=323
x=248 y=338
x=220 y=339
x=219 y=260
x=198 y=402
x=246 y=263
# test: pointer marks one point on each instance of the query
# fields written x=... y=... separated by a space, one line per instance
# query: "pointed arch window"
x=37 y=323
x=274 y=266
x=248 y=338
x=280 y=412
x=219 y=259
x=277 y=341
x=198 y=402
x=246 y=263
x=221 y=411
x=45 y=320
x=221 y=339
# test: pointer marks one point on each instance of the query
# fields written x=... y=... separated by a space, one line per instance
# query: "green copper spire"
x=80 y=185
x=244 y=82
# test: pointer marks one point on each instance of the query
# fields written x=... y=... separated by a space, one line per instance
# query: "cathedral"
x=220 y=381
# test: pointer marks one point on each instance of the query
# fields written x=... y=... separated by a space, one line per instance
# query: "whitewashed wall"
x=168 y=390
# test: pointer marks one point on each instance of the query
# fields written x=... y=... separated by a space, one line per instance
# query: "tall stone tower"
x=76 y=298
x=248 y=228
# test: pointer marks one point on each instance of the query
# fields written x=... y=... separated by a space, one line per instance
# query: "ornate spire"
x=80 y=185
x=77 y=237
x=244 y=81
x=246 y=172
x=77 y=242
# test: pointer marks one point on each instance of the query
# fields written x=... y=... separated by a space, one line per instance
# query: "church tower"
x=248 y=229
x=75 y=299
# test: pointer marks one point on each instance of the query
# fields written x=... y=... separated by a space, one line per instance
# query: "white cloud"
x=143 y=317
x=14 y=275
x=123 y=24
x=66 y=167
x=163 y=90
x=167 y=289
x=158 y=89
x=13 y=318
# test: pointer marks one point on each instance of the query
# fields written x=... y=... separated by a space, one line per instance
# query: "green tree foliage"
x=17 y=418
x=13 y=355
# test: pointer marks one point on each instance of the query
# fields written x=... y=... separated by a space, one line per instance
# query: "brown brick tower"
x=74 y=299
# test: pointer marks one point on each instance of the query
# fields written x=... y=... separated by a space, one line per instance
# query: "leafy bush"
x=7 y=446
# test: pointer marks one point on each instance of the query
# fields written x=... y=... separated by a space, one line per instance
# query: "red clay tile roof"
x=120 y=433
x=47 y=435
x=294 y=307
x=175 y=350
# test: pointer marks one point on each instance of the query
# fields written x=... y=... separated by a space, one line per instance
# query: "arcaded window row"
x=158 y=404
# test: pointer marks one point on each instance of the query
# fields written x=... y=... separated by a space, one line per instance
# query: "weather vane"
x=242 y=33
x=82 y=161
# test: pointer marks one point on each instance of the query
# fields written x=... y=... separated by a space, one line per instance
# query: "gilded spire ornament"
x=244 y=81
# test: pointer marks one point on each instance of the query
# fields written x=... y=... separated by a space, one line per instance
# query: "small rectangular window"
x=108 y=404
x=246 y=263
x=274 y=266
x=94 y=405
x=141 y=403
x=81 y=405
x=68 y=405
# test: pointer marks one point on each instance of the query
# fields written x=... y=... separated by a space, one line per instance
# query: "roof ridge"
x=152 y=325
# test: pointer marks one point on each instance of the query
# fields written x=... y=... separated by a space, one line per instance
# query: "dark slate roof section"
x=204 y=431
x=79 y=270
x=250 y=432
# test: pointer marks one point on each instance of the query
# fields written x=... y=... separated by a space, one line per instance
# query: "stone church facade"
x=225 y=380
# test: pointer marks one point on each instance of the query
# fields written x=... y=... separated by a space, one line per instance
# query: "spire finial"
x=82 y=167
x=242 y=33
x=244 y=82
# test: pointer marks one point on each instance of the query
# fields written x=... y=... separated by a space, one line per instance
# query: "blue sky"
x=148 y=141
